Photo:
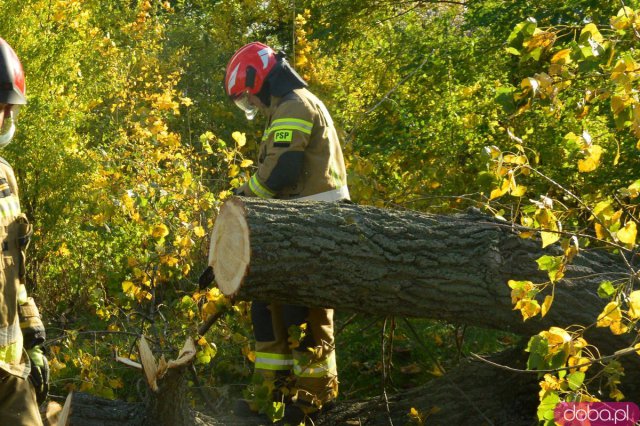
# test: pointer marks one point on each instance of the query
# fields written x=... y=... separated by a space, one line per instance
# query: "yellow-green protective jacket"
x=300 y=155
x=15 y=306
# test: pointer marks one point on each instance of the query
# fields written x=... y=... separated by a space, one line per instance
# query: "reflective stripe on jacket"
x=300 y=123
x=12 y=357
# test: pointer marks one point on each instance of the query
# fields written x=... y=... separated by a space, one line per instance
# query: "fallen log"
x=404 y=263
x=393 y=262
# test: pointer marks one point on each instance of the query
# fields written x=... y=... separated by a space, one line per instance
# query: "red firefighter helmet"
x=12 y=86
x=12 y=91
x=246 y=73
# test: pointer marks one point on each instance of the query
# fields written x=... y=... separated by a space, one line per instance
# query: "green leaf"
x=558 y=360
x=606 y=290
x=504 y=98
x=575 y=380
x=547 y=406
x=538 y=348
x=551 y=264
x=513 y=51
x=522 y=31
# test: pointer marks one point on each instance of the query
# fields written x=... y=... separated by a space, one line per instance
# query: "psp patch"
x=282 y=137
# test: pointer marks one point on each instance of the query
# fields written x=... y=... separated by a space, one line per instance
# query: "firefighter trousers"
x=18 y=405
x=295 y=349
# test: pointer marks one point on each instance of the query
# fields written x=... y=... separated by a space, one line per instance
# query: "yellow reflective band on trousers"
x=324 y=368
x=9 y=206
x=259 y=189
x=271 y=361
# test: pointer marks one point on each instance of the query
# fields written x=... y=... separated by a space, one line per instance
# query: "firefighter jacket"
x=300 y=155
x=18 y=313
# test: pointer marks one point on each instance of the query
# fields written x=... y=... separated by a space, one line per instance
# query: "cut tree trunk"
x=394 y=262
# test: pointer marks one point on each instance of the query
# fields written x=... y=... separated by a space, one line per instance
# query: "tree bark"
x=393 y=262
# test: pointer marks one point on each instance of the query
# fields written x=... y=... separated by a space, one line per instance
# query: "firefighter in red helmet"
x=300 y=158
x=24 y=372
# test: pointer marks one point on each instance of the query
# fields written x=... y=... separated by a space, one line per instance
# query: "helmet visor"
x=242 y=102
x=8 y=128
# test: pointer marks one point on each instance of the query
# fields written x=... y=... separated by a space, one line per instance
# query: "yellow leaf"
x=519 y=290
x=436 y=370
x=414 y=413
x=590 y=163
x=600 y=231
x=159 y=231
x=634 y=304
x=618 y=328
x=199 y=231
x=627 y=235
x=548 y=300
x=519 y=191
x=234 y=170
x=549 y=238
x=621 y=21
x=187 y=178
x=170 y=261
x=63 y=251
x=594 y=32
x=246 y=163
x=528 y=308
x=610 y=314
x=240 y=138
x=128 y=286
x=562 y=57
x=556 y=336
x=637 y=346
x=498 y=192
x=576 y=360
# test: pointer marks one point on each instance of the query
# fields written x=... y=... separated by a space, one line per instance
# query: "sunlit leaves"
x=606 y=289
x=627 y=234
x=554 y=265
x=159 y=231
x=634 y=305
x=611 y=316
x=591 y=160
x=240 y=138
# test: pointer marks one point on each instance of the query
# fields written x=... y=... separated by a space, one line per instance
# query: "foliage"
x=128 y=146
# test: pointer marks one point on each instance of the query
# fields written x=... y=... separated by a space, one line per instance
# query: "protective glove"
x=206 y=278
x=39 y=375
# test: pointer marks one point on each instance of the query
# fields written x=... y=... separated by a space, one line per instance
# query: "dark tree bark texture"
x=393 y=262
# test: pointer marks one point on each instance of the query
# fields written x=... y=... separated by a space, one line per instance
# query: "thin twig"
x=384 y=372
x=94 y=333
x=616 y=354
x=444 y=375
